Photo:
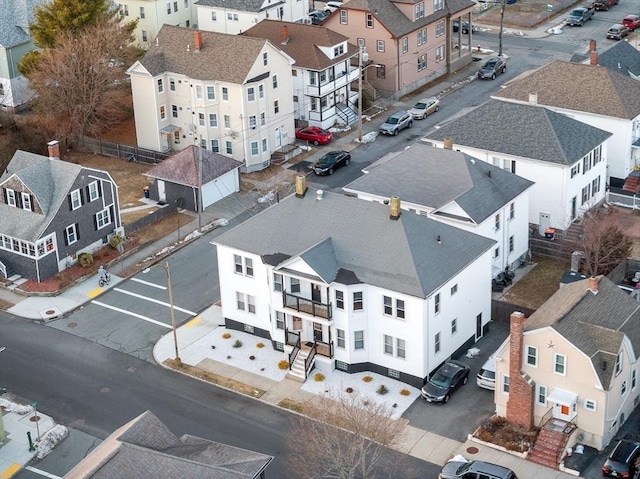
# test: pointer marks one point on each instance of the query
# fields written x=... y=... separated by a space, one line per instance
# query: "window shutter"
x=33 y=208
x=70 y=202
x=111 y=215
x=99 y=189
x=81 y=191
x=77 y=232
x=4 y=194
x=95 y=221
x=88 y=194
x=18 y=197
x=66 y=237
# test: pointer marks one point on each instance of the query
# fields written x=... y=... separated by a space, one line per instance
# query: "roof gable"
x=558 y=139
x=555 y=85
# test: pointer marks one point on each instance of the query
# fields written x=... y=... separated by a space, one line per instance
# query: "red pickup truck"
x=604 y=4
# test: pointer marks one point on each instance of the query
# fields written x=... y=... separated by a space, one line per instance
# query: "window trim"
x=528 y=348
x=358 y=340
x=555 y=364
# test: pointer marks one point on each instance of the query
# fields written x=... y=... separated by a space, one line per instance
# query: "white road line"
x=42 y=473
x=139 y=316
x=135 y=295
x=153 y=285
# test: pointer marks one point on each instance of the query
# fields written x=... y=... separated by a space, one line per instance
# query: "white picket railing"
x=626 y=201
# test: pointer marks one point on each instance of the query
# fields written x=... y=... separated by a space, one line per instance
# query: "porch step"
x=13 y=278
x=548 y=448
x=297 y=371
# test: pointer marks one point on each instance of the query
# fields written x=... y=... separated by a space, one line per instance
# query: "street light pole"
x=502 y=7
x=360 y=75
x=178 y=361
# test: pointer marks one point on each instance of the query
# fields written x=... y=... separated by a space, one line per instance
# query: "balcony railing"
x=308 y=306
x=324 y=349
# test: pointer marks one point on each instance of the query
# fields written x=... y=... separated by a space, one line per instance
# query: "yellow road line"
x=95 y=292
x=10 y=471
x=193 y=322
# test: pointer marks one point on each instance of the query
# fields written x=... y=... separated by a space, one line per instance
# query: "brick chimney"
x=301 y=186
x=284 y=35
x=197 y=40
x=448 y=144
x=593 y=53
x=593 y=284
x=394 y=208
x=54 y=150
x=521 y=387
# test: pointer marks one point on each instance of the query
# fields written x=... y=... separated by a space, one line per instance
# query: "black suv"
x=622 y=461
x=445 y=380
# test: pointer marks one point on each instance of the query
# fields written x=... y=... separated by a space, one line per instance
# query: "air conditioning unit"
x=365 y=57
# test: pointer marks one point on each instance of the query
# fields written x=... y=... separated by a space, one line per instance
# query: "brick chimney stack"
x=521 y=387
x=301 y=186
x=394 y=208
x=197 y=41
x=448 y=144
x=593 y=53
x=54 y=150
x=593 y=284
x=284 y=35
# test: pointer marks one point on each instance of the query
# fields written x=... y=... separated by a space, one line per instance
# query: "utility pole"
x=504 y=4
x=199 y=188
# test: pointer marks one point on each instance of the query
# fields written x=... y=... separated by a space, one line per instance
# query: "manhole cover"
x=72 y=325
x=34 y=418
x=473 y=450
x=104 y=390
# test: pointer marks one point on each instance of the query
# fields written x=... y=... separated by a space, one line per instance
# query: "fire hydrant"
x=479 y=48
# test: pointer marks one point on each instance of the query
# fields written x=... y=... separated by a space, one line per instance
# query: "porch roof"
x=562 y=396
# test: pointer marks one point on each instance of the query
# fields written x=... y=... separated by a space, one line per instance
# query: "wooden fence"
x=501 y=311
x=119 y=150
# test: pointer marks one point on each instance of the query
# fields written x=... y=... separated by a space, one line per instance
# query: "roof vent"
x=439 y=240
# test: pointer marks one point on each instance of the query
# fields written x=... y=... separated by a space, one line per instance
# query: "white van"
x=486 y=378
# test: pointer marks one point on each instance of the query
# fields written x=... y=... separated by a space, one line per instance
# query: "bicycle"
x=105 y=280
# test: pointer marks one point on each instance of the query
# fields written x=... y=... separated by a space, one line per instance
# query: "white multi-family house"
x=325 y=73
x=339 y=282
x=614 y=106
x=153 y=14
x=459 y=190
x=230 y=94
x=572 y=366
x=237 y=17
x=565 y=158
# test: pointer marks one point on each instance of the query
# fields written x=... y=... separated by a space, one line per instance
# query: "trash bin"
x=550 y=233
x=146 y=191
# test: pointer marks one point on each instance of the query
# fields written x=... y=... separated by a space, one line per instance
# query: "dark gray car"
x=396 y=122
x=493 y=67
x=474 y=470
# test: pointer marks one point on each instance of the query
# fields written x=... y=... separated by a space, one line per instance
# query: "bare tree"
x=343 y=437
x=603 y=243
x=80 y=82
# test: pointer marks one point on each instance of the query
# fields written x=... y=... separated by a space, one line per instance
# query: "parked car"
x=465 y=27
x=617 y=32
x=621 y=462
x=314 y=134
x=475 y=470
x=579 y=15
x=631 y=22
x=332 y=6
x=425 y=107
x=604 y=4
x=317 y=16
x=396 y=122
x=330 y=162
x=445 y=381
x=493 y=67
x=486 y=377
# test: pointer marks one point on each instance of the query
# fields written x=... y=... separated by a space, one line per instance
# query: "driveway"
x=468 y=406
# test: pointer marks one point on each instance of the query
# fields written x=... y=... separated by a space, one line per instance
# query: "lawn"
x=539 y=285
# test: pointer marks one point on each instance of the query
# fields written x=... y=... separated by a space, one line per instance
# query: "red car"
x=314 y=134
x=631 y=22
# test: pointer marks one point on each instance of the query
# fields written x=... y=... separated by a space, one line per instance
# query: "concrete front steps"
x=14 y=281
x=549 y=446
x=297 y=372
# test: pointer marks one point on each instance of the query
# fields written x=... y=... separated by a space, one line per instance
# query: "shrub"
x=226 y=335
x=85 y=259
x=405 y=392
x=497 y=430
x=318 y=377
x=115 y=241
x=367 y=379
x=382 y=389
x=237 y=344
x=283 y=364
x=228 y=357
x=260 y=345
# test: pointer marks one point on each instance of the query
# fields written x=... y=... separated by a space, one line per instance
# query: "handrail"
x=294 y=353
x=545 y=418
x=308 y=361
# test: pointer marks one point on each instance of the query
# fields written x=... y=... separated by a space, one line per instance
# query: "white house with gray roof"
x=615 y=108
x=566 y=159
x=15 y=41
x=573 y=361
x=355 y=285
x=456 y=189
x=230 y=94
x=51 y=211
x=238 y=16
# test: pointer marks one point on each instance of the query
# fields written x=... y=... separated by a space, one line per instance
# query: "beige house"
x=229 y=94
x=572 y=367
x=413 y=42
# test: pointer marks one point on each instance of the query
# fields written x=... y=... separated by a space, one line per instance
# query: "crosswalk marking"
x=135 y=315
x=147 y=283
x=42 y=473
x=146 y=298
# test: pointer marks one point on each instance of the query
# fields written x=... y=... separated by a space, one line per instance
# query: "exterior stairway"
x=297 y=372
x=346 y=113
x=561 y=247
x=549 y=446
x=632 y=183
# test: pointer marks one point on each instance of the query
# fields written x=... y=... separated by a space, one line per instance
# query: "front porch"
x=303 y=353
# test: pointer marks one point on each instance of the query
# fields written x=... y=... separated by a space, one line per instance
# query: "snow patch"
x=10 y=406
x=368 y=138
x=50 y=439
x=472 y=352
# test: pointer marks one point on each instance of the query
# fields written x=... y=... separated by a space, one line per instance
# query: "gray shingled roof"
x=212 y=62
x=558 y=83
x=523 y=130
x=14 y=21
x=239 y=5
x=182 y=167
x=149 y=449
x=594 y=323
x=49 y=181
x=397 y=22
x=303 y=42
x=434 y=177
x=402 y=255
x=620 y=57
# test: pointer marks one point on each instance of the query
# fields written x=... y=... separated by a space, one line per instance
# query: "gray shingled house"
x=565 y=158
x=50 y=211
x=146 y=448
x=177 y=179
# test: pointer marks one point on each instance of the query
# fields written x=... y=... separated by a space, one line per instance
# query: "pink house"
x=412 y=41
